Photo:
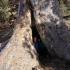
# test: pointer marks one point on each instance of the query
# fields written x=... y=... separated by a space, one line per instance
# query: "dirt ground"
x=55 y=64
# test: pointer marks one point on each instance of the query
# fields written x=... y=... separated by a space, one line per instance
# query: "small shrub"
x=64 y=10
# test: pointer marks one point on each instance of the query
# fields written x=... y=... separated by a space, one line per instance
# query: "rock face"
x=52 y=30
x=19 y=53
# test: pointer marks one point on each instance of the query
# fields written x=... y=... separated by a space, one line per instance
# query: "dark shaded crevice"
x=33 y=25
x=36 y=34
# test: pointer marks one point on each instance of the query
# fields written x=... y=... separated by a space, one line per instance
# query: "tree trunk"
x=51 y=28
x=19 y=53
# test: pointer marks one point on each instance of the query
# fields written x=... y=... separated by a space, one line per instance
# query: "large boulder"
x=51 y=28
x=19 y=53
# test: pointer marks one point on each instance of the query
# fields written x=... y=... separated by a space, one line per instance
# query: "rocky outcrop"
x=51 y=28
x=19 y=53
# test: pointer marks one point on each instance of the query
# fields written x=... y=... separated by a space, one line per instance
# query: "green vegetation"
x=64 y=10
x=4 y=10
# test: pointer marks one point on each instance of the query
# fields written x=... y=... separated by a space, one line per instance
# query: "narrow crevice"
x=43 y=53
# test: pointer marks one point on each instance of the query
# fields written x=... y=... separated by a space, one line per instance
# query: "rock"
x=19 y=53
x=51 y=28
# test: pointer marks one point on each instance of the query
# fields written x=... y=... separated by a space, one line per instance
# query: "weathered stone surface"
x=53 y=31
x=19 y=53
